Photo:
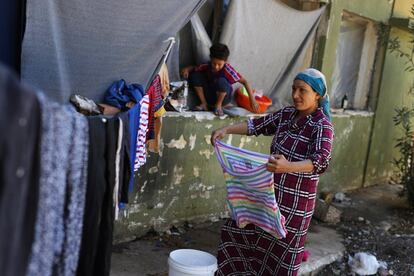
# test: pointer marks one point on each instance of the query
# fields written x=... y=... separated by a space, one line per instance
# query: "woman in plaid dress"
x=300 y=152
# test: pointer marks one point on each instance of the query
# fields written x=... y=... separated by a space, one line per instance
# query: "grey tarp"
x=267 y=41
x=200 y=39
x=355 y=55
x=348 y=57
x=82 y=46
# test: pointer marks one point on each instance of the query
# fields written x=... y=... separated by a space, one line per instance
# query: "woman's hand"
x=278 y=164
x=217 y=134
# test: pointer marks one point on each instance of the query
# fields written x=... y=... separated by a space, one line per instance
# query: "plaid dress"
x=252 y=251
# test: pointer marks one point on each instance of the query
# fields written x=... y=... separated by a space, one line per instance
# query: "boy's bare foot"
x=218 y=111
x=201 y=107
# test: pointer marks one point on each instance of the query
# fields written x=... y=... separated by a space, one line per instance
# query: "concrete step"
x=325 y=246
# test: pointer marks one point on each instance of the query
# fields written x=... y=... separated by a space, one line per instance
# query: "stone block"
x=326 y=212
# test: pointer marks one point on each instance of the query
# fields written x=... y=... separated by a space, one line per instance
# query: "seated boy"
x=213 y=81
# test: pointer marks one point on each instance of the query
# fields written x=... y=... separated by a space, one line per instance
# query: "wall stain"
x=201 y=116
x=179 y=144
x=159 y=205
x=161 y=147
x=196 y=171
x=174 y=199
x=229 y=139
x=206 y=153
x=177 y=175
x=192 y=141
x=142 y=190
x=153 y=170
x=243 y=140
x=207 y=138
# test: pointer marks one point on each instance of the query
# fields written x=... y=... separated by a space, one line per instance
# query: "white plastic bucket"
x=190 y=262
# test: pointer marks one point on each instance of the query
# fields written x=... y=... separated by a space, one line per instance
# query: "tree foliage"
x=404 y=164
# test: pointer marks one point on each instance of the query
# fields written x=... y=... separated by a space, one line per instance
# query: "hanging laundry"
x=156 y=103
x=250 y=190
x=96 y=246
x=20 y=125
x=141 y=152
x=64 y=151
x=153 y=142
x=125 y=166
x=118 y=159
x=76 y=194
x=165 y=80
x=122 y=96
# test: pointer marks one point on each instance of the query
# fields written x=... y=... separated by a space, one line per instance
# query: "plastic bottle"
x=182 y=98
x=344 y=102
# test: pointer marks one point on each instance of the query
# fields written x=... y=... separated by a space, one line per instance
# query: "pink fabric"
x=306 y=256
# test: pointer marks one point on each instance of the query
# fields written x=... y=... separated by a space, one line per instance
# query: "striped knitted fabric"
x=141 y=151
x=155 y=94
x=250 y=190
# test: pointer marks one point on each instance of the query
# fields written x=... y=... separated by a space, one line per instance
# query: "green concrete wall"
x=185 y=182
x=394 y=86
x=352 y=133
x=376 y=10
x=402 y=8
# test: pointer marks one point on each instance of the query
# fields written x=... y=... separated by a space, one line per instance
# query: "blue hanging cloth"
x=118 y=95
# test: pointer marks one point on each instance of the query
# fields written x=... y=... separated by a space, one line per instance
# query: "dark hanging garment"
x=95 y=192
x=20 y=124
x=102 y=265
x=12 y=25
x=125 y=164
x=96 y=246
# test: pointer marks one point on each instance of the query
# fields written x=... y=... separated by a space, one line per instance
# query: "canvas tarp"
x=348 y=57
x=267 y=41
x=82 y=46
x=200 y=39
x=355 y=55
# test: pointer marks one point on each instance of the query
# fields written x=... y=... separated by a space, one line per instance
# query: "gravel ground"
x=380 y=222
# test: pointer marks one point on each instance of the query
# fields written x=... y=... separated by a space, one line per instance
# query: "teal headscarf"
x=315 y=79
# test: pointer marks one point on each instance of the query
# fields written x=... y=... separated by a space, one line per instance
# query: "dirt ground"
x=379 y=221
x=375 y=220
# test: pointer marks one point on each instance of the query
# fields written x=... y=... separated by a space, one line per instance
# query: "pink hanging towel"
x=250 y=191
